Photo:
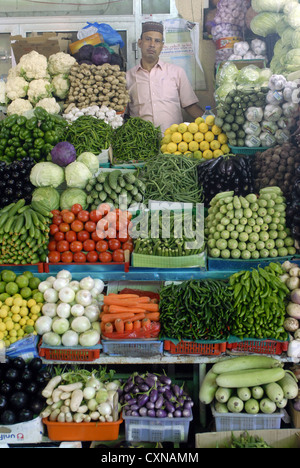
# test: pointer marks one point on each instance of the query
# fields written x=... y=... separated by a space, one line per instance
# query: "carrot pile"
x=126 y=312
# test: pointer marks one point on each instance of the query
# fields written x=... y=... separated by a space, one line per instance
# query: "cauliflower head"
x=3 y=96
x=16 y=87
x=33 y=66
x=60 y=63
x=61 y=85
x=19 y=106
x=39 y=89
x=50 y=105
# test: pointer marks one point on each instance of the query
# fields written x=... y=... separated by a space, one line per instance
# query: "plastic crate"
x=271 y=347
x=247 y=151
x=132 y=348
x=145 y=429
x=61 y=353
x=82 y=431
x=203 y=348
x=244 y=421
x=220 y=264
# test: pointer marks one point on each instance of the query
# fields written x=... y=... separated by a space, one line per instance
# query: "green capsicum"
x=51 y=137
x=10 y=121
x=39 y=143
x=40 y=113
x=31 y=123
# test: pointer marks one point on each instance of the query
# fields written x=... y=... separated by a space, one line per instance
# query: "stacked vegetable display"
x=251 y=227
x=21 y=386
x=249 y=384
x=70 y=315
x=24 y=233
x=200 y=139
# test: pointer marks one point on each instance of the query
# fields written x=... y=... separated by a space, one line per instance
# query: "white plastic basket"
x=245 y=421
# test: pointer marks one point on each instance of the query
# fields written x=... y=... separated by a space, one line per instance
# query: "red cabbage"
x=85 y=52
x=63 y=154
x=100 y=56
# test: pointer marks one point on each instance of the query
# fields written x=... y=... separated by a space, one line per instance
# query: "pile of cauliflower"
x=38 y=82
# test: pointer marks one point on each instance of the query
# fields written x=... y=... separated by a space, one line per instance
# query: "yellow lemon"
x=193 y=128
x=217 y=153
x=24 y=311
x=171 y=148
x=163 y=149
x=21 y=333
x=183 y=147
x=209 y=136
x=9 y=325
x=174 y=128
x=15 y=309
x=204 y=146
x=193 y=146
x=188 y=137
x=2 y=327
x=18 y=302
x=31 y=303
x=9 y=301
x=215 y=145
x=1 y=336
x=23 y=322
x=199 y=120
x=225 y=149
x=30 y=323
x=177 y=137
x=199 y=137
x=222 y=138
x=167 y=132
x=166 y=140
x=216 y=130
x=210 y=120
x=16 y=318
x=208 y=154
x=13 y=333
x=182 y=128
x=203 y=128
x=3 y=313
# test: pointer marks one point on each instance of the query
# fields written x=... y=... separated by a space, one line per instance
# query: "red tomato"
x=55 y=212
x=89 y=245
x=52 y=246
x=114 y=244
x=102 y=246
x=111 y=233
x=67 y=257
x=95 y=237
x=118 y=256
x=104 y=208
x=63 y=246
x=83 y=216
x=111 y=218
x=77 y=226
x=71 y=236
x=90 y=226
x=95 y=216
x=105 y=257
x=54 y=229
x=83 y=236
x=100 y=234
x=79 y=257
x=54 y=257
x=57 y=220
x=76 y=208
x=64 y=227
x=102 y=225
x=92 y=257
x=68 y=217
x=76 y=246
x=123 y=237
x=128 y=246
x=59 y=236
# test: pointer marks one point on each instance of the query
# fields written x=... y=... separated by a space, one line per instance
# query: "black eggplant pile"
x=226 y=173
x=21 y=386
x=293 y=210
x=155 y=396
x=15 y=181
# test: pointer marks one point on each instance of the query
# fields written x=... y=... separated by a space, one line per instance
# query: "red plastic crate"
x=76 y=354
x=271 y=347
x=191 y=347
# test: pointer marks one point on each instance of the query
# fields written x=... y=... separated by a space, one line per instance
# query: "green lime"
x=3 y=284
x=4 y=296
x=28 y=274
x=8 y=276
x=34 y=283
x=38 y=297
x=29 y=329
x=22 y=281
x=26 y=292
x=12 y=288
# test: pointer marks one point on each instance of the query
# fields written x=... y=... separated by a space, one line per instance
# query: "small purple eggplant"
x=143 y=412
x=150 y=405
x=159 y=402
x=153 y=395
x=177 y=414
x=144 y=387
x=169 y=407
x=177 y=390
x=165 y=380
x=151 y=413
x=161 y=413
x=186 y=413
x=142 y=400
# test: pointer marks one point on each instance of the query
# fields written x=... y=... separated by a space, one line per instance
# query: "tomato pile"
x=80 y=236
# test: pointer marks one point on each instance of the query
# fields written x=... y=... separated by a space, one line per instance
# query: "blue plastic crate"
x=220 y=264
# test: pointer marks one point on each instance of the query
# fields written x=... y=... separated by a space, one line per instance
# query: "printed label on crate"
x=227 y=42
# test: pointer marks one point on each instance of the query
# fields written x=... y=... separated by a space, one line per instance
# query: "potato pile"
x=93 y=85
x=277 y=167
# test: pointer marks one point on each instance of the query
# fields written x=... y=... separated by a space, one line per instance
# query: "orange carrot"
x=119 y=325
x=138 y=317
x=113 y=301
x=146 y=323
x=150 y=307
x=128 y=325
x=105 y=309
x=102 y=326
x=109 y=327
x=119 y=309
x=137 y=325
x=153 y=316
x=123 y=296
x=108 y=317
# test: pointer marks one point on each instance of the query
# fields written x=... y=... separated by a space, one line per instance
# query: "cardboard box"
x=45 y=44
x=276 y=438
x=295 y=415
x=93 y=40
x=23 y=433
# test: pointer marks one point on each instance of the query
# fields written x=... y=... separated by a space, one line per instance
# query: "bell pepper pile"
x=33 y=137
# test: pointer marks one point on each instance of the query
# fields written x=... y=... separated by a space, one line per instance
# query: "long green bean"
x=88 y=134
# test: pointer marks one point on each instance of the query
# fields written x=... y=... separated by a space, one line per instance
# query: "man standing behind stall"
x=159 y=90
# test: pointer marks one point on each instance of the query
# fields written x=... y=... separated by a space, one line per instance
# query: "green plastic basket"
x=247 y=151
x=151 y=261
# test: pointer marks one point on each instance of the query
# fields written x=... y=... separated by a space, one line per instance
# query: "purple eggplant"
x=170 y=395
x=159 y=402
x=150 y=405
x=151 y=413
x=144 y=387
x=134 y=413
x=129 y=386
x=161 y=413
x=135 y=390
x=188 y=404
x=151 y=380
x=153 y=395
x=127 y=397
x=186 y=413
x=169 y=407
x=177 y=390
x=165 y=380
x=143 y=412
x=177 y=414
x=132 y=401
x=128 y=413
x=142 y=400
x=138 y=380
x=134 y=407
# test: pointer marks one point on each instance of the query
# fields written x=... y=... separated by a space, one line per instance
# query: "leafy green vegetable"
x=47 y=197
x=266 y=23
x=71 y=197
x=77 y=175
x=47 y=174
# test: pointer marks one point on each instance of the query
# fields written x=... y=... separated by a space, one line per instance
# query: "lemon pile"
x=17 y=318
x=199 y=139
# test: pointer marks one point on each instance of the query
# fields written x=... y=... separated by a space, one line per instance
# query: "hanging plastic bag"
x=110 y=35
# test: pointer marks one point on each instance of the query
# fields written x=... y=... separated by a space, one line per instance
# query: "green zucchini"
x=249 y=377
x=267 y=406
x=223 y=394
x=244 y=393
x=246 y=362
x=252 y=406
x=289 y=386
x=235 y=405
x=274 y=392
x=113 y=179
x=208 y=388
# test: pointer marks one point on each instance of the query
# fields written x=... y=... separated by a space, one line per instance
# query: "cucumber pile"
x=250 y=227
x=24 y=233
x=248 y=384
x=119 y=189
